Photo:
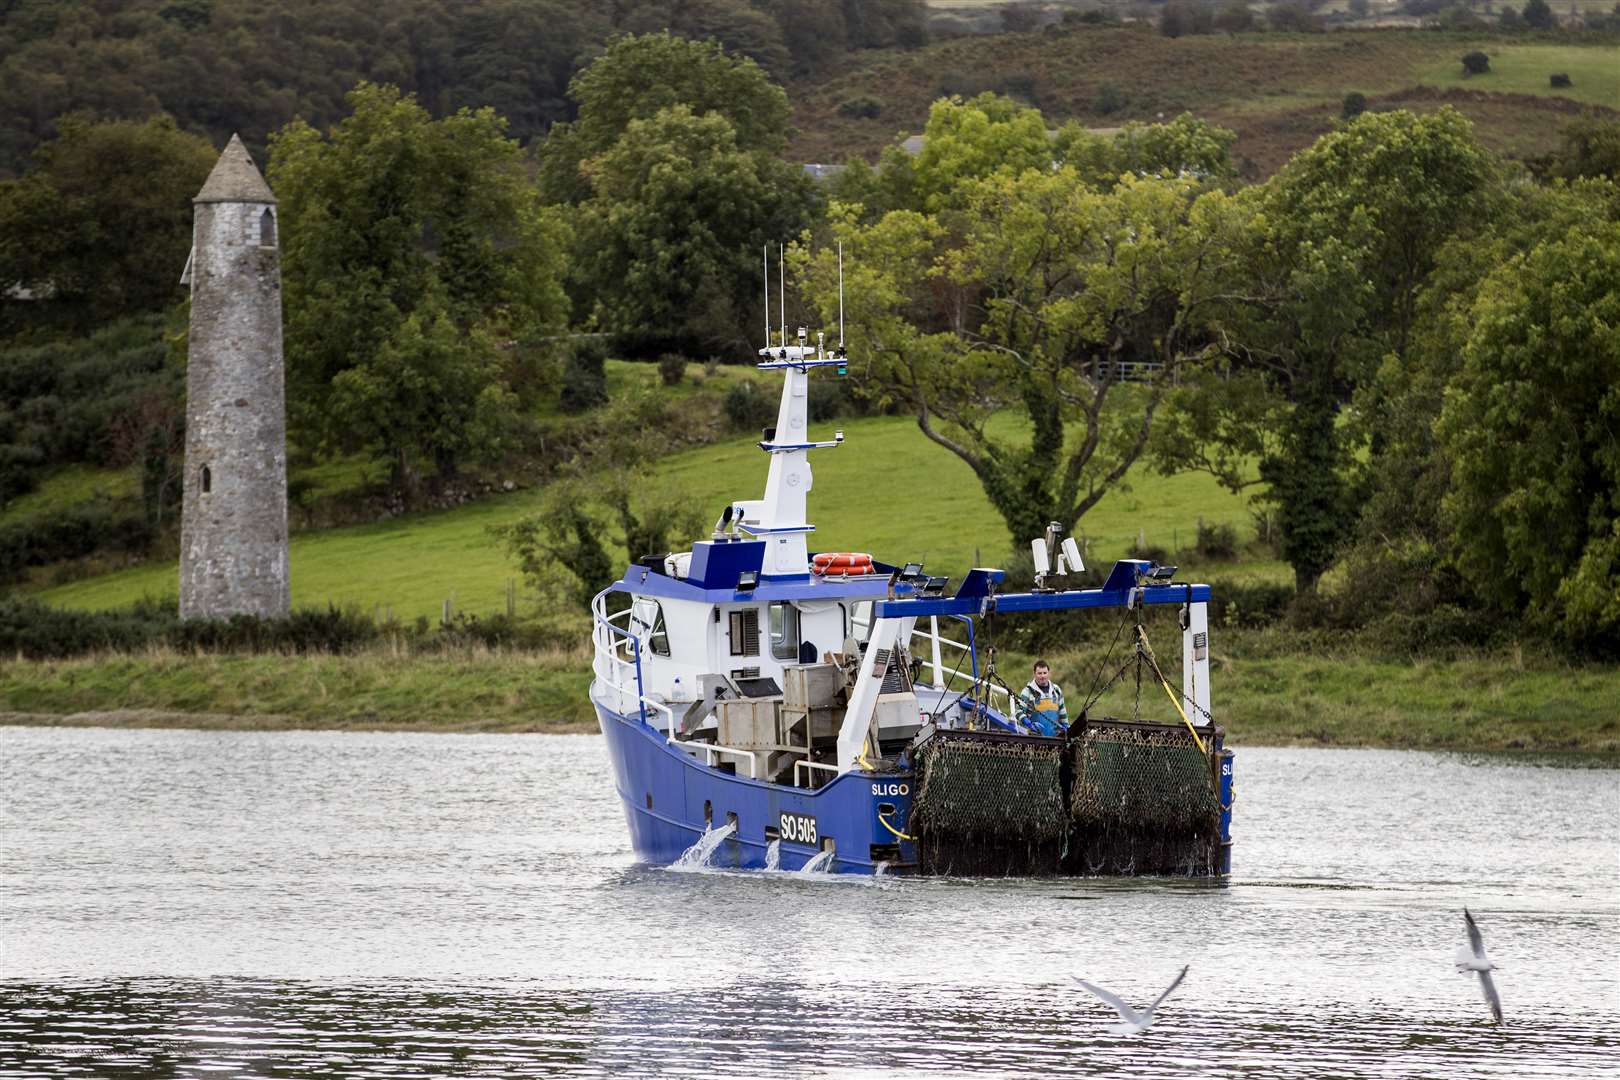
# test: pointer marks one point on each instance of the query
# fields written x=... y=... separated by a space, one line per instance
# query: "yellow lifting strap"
x=1154 y=661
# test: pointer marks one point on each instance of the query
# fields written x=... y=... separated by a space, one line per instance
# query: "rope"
x=960 y=660
x=1223 y=806
x=1096 y=692
x=894 y=830
x=1171 y=694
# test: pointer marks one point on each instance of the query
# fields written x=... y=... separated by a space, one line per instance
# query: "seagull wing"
x=1474 y=938
x=1126 y=1013
x=1488 y=986
x=1168 y=991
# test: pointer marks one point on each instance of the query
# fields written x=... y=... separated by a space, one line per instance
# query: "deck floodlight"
x=1069 y=561
x=1160 y=575
x=911 y=571
x=935 y=586
x=747 y=581
x=1043 y=561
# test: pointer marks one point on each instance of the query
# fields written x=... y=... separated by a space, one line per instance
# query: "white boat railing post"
x=1195 y=663
x=933 y=635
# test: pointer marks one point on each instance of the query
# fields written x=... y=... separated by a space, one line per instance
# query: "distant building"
x=233 y=531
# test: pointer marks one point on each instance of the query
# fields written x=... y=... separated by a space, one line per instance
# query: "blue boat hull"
x=668 y=798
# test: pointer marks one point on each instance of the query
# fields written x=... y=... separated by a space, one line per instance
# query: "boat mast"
x=780 y=518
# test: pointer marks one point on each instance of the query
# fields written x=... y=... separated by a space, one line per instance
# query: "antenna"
x=767 y=253
x=840 y=294
x=781 y=293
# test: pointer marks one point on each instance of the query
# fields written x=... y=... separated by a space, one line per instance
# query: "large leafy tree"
x=1401 y=519
x=103 y=220
x=670 y=239
x=1035 y=334
x=410 y=247
x=635 y=78
x=1532 y=427
x=1339 y=247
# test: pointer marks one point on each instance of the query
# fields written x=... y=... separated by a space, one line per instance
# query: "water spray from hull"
x=818 y=864
x=698 y=856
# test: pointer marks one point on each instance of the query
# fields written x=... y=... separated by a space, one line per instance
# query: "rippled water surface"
x=324 y=904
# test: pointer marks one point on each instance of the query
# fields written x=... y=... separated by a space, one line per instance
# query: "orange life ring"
x=845 y=571
x=844 y=562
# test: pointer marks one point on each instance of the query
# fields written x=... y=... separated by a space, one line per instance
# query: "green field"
x=1524 y=69
x=70 y=486
x=886 y=490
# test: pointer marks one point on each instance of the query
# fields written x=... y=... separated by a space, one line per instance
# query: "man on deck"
x=1040 y=704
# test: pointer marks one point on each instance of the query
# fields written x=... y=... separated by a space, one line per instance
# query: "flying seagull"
x=1472 y=958
x=1134 y=1023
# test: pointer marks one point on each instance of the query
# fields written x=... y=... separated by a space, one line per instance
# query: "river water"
x=190 y=904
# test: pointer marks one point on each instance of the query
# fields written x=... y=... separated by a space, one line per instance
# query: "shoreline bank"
x=1469 y=703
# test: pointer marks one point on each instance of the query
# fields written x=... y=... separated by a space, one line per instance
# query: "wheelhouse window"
x=784 y=620
x=744 y=632
x=647 y=623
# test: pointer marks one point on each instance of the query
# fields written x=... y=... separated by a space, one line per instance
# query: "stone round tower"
x=233 y=526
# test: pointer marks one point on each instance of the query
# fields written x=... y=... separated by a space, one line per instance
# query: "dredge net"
x=988 y=805
x=1143 y=801
x=1115 y=798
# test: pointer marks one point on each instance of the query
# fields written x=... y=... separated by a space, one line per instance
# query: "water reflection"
x=317 y=904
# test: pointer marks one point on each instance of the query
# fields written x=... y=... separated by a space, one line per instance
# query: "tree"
x=969 y=140
x=735 y=24
x=1186 y=146
x=563 y=550
x=1475 y=63
x=1037 y=301
x=639 y=76
x=881 y=24
x=1355 y=103
x=409 y=248
x=1237 y=17
x=670 y=238
x=103 y=221
x=584 y=383
x=1341 y=243
x=1529 y=424
x=1590 y=147
x=1538 y=15
x=1402 y=531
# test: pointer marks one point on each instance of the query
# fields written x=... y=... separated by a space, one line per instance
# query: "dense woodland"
x=223 y=66
x=1404 y=344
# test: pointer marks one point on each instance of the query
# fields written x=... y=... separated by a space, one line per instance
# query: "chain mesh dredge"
x=988 y=805
x=1141 y=799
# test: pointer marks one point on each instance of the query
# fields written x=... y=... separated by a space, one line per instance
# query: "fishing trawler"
x=781 y=708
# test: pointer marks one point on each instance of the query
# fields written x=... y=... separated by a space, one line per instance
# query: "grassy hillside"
x=1278 y=91
x=886 y=490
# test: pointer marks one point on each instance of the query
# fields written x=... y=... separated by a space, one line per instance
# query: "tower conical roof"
x=235 y=178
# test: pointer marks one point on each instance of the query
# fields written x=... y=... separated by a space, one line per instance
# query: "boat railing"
x=934 y=642
x=804 y=763
x=614 y=670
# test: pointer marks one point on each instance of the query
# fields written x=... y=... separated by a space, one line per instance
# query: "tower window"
x=207 y=480
x=267 y=228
